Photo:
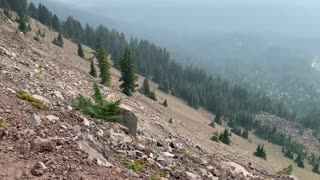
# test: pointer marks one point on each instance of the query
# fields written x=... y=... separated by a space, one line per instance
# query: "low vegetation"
x=165 y=103
x=225 y=137
x=58 y=41
x=145 y=89
x=260 y=152
x=134 y=165
x=286 y=171
x=80 y=50
x=93 y=71
x=100 y=108
x=2 y=123
x=39 y=35
x=24 y=25
x=215 y=137
x=34 y=102
x=158 y=176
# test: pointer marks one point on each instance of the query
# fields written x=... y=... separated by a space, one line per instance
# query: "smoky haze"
x=268 y=44
x=293 y=17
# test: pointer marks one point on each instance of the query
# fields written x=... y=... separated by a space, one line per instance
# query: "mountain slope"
x=64 y=146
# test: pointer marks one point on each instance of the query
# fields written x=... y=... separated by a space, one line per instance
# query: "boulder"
x=94 y=154
x=4 y=51
x=85 y=121
x=42 y=145
x=58 y=94
x=34 y=120
x=42 y=99
x=118 y=137
x=130 y=120
x=52 y=118
x=192 y=176
x=167 y=154
x=38 y=169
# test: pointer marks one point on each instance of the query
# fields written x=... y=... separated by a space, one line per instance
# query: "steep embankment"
x=59 y=143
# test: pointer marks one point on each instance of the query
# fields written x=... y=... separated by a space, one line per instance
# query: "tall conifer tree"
x=104 y=67
x=128 y=76
x=93 y=71
x=80 y=50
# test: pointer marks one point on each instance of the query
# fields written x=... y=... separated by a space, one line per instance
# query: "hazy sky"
x=295 y=17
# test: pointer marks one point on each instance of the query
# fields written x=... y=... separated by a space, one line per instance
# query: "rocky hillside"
x=59 y=142
x=295 y=131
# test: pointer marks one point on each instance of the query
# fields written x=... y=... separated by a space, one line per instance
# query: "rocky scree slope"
x=298 y=133
x=61 y=143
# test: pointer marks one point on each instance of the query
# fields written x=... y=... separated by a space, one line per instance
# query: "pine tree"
x=24 y=26
x=225 y=136
x=245 y=134
x=56 y=23
x=80 y=50
x=33 y=11
x=289 y=154
x=165 y=103
x=145 y=89
x=299 y=161
x=4 y=4
x=217 y=119
x=260 y=152
x=221 y=137
x=315 y=169
x=128 y=76
x=19 y=6
x=104 y=66
x=93 y=71
x=97 y=94
x=58 y=41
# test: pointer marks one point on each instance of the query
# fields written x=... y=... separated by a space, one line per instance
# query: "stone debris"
x=34 y=120
x=38 y=169
x=293 y=130
x=61 y=143
x=52 y=118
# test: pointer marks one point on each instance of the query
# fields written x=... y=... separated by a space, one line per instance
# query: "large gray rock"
x=34 y=120
x=118 y=137
x=94 y=154
x=38 y=169
x=52 y=118
x=130 y=120
x=58 y=94
x=41 y=145
x=42 y=99
x=192 y=176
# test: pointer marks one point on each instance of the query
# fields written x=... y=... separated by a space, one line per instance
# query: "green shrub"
x=158 y=176
x=100 y=108
x=2 y=123
x=260 y=152
x=170 y=121
x=165 y=103
x=36 y=38
x=286 y=171
x=58 y=41
x=34 y=102
x=24 y=25
x=215 y=138
x=212 y=124
x=134 y=165
x=39 y=77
